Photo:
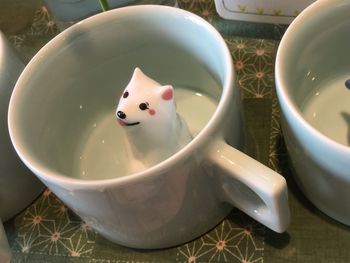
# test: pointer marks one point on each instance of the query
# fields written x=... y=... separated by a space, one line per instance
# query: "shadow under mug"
x=75 y=81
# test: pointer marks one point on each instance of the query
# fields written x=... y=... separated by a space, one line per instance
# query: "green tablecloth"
x=47 y=231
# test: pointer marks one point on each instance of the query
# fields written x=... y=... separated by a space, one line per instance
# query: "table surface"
x=311 y=237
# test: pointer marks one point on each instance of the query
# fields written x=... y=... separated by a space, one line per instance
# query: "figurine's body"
x=154 y=131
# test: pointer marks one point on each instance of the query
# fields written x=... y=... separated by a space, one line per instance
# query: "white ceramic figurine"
x=154 y=131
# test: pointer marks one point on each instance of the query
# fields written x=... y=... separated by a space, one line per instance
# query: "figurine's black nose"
x=121 y=115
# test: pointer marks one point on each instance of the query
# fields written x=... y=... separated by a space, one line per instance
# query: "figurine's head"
x=145 y=101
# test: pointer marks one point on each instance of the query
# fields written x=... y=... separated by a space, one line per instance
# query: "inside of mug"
x=65 y=109
x=316 y=68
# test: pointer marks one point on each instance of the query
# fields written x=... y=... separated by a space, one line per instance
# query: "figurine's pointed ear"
x=137 y=71
x=137 y=76
x=167 y=92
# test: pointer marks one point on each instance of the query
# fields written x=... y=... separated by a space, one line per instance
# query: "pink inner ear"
x=167 y=94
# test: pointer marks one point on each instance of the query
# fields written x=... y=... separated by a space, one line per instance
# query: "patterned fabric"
x=47 y=231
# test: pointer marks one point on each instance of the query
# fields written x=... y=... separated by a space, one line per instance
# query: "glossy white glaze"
x=176 y=199
x=153 y=129
x=313 y=51
x=19 y=187
x=327 y=109
x=102 y=155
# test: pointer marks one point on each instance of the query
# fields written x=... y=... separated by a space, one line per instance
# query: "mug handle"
x=251 y=186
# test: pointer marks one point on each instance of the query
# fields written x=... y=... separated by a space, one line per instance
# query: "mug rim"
x=286 y=101
x=208 y=131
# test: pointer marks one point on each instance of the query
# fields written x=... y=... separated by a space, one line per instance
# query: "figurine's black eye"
x=347 y=84
x=125 y=94
x=143 y=106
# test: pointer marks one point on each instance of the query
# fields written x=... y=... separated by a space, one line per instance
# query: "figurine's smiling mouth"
x=123 y=123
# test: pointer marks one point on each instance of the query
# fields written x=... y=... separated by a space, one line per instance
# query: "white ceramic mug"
x=68 y=12
x=312 y=67
x=18 y=186
x=62 y=120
